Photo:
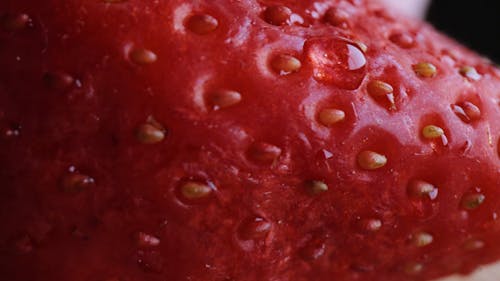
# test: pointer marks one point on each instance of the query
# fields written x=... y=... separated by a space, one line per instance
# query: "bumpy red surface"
x=191 y=140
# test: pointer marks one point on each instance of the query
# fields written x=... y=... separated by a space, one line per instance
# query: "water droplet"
x=202 y=24
x=336 y=61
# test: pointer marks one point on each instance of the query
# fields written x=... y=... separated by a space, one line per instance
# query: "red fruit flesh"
x=160 y=140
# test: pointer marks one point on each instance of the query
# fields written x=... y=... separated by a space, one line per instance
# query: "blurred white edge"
x=489 y=272
x=410 y=8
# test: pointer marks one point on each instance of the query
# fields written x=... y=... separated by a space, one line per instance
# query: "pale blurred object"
x=411 y=8
x=485 y=273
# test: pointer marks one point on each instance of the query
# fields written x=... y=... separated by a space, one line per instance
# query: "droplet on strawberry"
x=337 y=62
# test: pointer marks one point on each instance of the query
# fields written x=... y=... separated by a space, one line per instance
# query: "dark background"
x=474 y=23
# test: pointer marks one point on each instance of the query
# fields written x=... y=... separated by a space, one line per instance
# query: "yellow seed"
x=330 y=116
x=369 y=160
x=471 y=110
x=413 y=268
x=285 y=64
x=473 y=245
x=425 y=69
x=195 y=190
x=202 y=24
x=472 y=200
x=421 y=189
x=377 y=88
x=371 y=225
x=470 y=72
x=223 y=99
x=150 y=132
x=143 y=56
x=432 y=132
x=422 y=239
x=317 y=187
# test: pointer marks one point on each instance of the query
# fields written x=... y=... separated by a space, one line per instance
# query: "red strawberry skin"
x=141 y=143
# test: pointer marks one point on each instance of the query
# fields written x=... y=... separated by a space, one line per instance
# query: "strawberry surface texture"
x=224 y=140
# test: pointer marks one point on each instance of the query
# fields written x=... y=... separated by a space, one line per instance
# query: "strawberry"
x=242 y=140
